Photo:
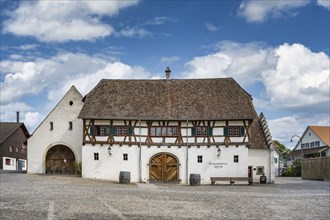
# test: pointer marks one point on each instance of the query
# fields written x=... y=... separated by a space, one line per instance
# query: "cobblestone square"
x=25 y=196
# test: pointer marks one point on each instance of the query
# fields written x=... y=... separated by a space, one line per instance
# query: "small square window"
x=17 y=149
x=51 y=125
x=275 y=160
x=260 y=170
x=125 y=156
x=10 y=148
x=96 y=156
x=70 y=125
x=199 y=159
x=235 y=158
x=8 y=162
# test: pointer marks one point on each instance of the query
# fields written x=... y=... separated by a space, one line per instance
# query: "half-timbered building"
x=164 y=130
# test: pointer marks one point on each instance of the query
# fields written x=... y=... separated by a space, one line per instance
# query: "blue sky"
x=277 y=50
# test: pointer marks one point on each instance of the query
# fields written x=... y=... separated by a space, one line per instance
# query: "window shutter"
x=209 y=131
x=225 y=131
x=241 y=131
x=92 y=130
x=193 y=131
x=107 y=130
x=130 y=130
x=114 y=130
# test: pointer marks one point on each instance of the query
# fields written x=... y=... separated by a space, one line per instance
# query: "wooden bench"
x=230 y=179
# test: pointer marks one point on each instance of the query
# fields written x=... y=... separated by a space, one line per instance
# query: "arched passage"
x=163 y=167
x=60 y=159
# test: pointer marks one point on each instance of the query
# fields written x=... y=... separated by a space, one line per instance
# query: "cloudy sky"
x=278 y=51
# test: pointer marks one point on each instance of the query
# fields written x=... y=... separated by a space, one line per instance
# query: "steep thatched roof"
x=181 y=99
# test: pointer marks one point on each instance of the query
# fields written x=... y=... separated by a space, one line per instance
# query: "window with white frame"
x=235 y=158
x=125 y=156
x=163 y=131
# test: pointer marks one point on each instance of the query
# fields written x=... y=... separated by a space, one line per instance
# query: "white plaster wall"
x=262 y=157
x=223 y=166
x=109 y=167
x=12 y=165
x=276 y=164
x=43 y=138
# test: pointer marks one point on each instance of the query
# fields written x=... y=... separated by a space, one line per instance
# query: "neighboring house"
x=165 y=130
x=278 y=162
x=13 y=138
x=55 y=145
x=315 y=142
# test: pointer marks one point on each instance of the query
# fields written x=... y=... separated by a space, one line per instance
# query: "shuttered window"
x=234 y=131
x=201 y=131
x=106 y=130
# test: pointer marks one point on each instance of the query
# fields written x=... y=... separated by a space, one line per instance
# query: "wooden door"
x=163 y=168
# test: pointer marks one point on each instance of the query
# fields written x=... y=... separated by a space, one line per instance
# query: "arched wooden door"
x=164 y=168
x=60 y=159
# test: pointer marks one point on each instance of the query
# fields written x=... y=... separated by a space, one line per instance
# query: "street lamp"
x=219 y=152
x=109 y=151
x=301 y=149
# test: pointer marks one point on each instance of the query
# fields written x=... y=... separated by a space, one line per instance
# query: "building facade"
x=13 y=146
x=55 y=145
x=314 y=142
x=165 y=130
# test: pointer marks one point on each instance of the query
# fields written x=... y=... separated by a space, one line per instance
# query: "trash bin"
x=194 y=179
x=124 y=177
x=263 y=179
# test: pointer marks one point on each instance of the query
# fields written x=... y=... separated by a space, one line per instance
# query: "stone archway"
x=164 y=167
x=60 y=160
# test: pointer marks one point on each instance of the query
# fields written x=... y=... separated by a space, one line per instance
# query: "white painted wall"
x=43 y=138
x=262 y=157
x=12 y=165
x=109 y=167
x=276 y=162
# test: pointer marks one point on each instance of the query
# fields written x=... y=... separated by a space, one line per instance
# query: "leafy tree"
x=282 y=148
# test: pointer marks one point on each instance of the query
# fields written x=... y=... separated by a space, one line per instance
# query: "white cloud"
x=244 y=62
x=300 y=78
x=293 y=75
x=52 y=78
x=158 y=21
x=283 y=128
x=134 y=32
x=324 y=3
x=169 y=60
x=259 y=11
x=32 y=120
x=63 y=20
x=211 y=27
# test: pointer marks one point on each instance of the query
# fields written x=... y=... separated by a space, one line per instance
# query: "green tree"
x=282 y=148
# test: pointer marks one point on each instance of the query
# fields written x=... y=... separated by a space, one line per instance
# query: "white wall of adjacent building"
x=45 y=137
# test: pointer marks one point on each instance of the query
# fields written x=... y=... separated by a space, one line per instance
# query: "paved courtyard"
x=48 y=197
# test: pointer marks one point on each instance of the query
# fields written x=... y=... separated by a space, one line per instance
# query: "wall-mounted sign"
x=218 y=165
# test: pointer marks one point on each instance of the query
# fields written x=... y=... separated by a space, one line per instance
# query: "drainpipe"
x=187 y=153
x=140 y=157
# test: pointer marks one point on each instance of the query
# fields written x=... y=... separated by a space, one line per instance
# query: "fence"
x=316 y=168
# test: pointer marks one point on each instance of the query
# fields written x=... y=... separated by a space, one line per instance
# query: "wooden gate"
x=60 y=160
x=164 y=168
